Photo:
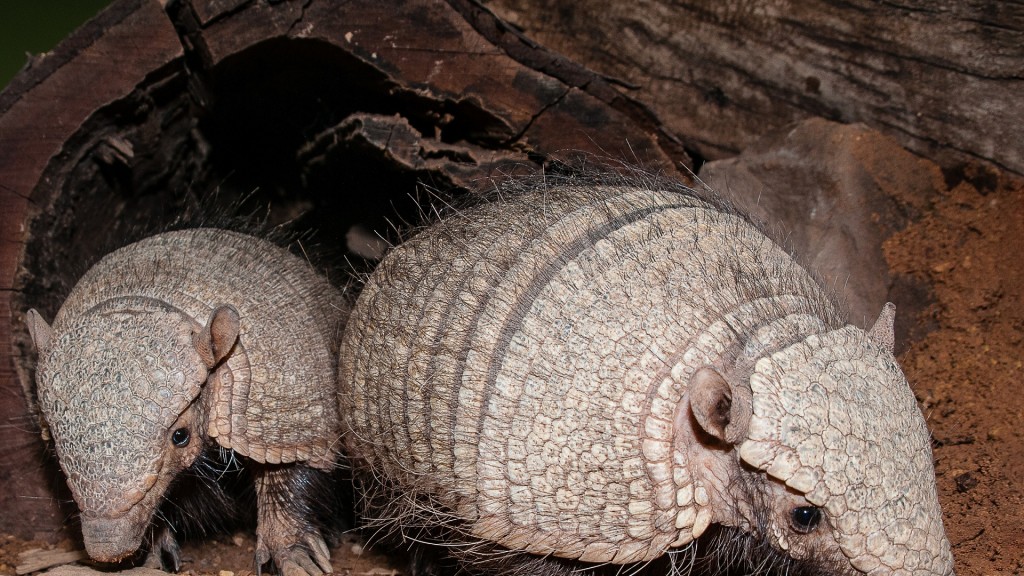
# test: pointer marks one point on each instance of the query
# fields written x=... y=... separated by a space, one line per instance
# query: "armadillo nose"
x=109 y=540
x=108 y=552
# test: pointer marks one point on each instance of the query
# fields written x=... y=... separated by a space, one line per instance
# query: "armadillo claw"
x=300 y=565
x=164 y=552
x=261 y=558
x=321 y=554
x=311 y=557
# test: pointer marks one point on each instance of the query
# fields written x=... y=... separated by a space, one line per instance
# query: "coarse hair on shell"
x=441 y=211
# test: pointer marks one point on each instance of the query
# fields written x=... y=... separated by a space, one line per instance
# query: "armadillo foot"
x=307 y=557
x=164 y=552
x=284 y=533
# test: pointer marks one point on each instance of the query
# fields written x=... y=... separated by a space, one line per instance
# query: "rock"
x=834 y=192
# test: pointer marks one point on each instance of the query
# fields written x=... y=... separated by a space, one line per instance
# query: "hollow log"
x=943 y=78
x=322 y=114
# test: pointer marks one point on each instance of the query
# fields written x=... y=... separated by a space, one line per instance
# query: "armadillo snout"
x=112 y=540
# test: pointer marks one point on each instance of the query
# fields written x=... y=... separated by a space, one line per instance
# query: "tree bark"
x=943 y=78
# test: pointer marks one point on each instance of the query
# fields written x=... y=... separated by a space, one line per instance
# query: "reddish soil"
x=967 y=372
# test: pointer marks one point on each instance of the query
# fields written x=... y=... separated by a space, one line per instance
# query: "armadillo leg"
x=285 y=531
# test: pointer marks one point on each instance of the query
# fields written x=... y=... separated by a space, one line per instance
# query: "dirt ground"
x=967 y=373
x=225 y=555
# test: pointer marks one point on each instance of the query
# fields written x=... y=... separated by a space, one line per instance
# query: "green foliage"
x=37 y=26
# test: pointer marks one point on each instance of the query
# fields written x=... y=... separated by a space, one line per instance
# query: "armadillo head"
x=118 y=389
x=836 y=435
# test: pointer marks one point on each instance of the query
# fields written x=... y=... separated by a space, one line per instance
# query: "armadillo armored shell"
x=523 y=366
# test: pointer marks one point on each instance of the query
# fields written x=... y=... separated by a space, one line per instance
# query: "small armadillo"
x=184 y=341
x=602 y=372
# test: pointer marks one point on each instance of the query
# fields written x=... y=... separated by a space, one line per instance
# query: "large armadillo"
x=180 y=342
x=602 y=372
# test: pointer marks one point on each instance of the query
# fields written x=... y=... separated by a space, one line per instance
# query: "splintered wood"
x=38 y=559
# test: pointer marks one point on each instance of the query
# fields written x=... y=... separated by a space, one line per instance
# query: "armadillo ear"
x=40 y=331
x=882 y=333
x=720 y=409
x=218 y=337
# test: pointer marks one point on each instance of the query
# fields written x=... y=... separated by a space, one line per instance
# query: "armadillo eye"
x=180 y=437
x=804 y=519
